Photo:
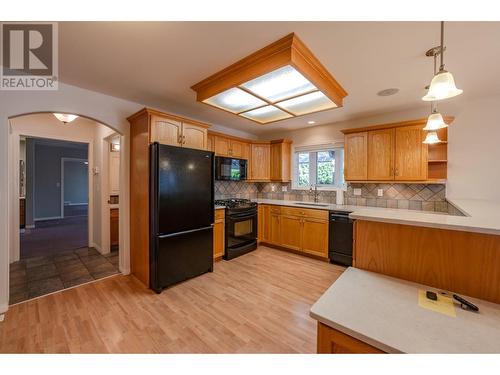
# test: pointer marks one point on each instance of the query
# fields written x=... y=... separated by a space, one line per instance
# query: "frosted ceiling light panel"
x=313 y=102
x=235 y=100
x=266 y=114
x=280 y=84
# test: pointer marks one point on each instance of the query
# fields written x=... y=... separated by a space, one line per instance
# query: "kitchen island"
x=365 y=312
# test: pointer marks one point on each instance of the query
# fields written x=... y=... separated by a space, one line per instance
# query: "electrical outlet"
x=273 y=188
x=380 y=193
x=357 y=191
x=284 y=188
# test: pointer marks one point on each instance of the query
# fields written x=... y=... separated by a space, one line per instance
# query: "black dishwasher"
x=340 y=238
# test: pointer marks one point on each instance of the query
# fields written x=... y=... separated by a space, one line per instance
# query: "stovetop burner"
x=235 y=203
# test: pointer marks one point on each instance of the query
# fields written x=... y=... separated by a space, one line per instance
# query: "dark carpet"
x=51 y=237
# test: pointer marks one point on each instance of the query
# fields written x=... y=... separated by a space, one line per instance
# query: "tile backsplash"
x=407 y=196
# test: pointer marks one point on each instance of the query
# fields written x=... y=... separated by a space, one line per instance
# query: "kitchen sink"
x=311 y=204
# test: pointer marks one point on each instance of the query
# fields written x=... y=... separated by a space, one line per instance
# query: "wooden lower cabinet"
x=274 y=227
x=303 y=230
x=291 y=232
x=114 y=234
x=219 y=233
x=315 y=236
x=331 y=341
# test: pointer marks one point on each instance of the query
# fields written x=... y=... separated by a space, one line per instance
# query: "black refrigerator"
x=182 y=213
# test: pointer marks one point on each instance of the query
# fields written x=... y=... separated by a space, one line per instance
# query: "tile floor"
x=36 y=276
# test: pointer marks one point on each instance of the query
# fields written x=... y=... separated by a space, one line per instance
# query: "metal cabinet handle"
x=184 y=139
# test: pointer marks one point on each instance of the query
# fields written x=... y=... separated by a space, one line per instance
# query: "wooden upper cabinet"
x=222 y=146
x=236 y=149
x=410 y=153
x=194 y=136
x=356 y=156
x=210 y=142
x=260 y=161
x=280 y=168
x=165 y=130
x=381 y=154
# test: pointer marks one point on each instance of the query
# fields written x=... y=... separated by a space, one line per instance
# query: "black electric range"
x=240 y=225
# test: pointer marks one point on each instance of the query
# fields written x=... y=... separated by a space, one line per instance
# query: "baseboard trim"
x=3 y=308
x=97 y=247
x=48 y=218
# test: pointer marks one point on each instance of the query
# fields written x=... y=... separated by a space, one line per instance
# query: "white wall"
x=474 y=151
x=104 y=109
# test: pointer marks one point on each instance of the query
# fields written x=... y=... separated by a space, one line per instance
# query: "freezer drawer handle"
x=185 y=232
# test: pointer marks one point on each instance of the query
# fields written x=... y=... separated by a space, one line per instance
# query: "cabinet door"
x=276 y=162
x=291 y=232
x=236 y=149
x=260 y=163
x=211 y=142
x=410 y=154
x=275 y=228
x=246 y=151
x=114 y=173
x=165 y=131
x=222 y=146
x=381 y=154
x=114 y=219
x=355 y=156
x=194 y=136
x=218 y=238
x=315 y=236
x=263 y=226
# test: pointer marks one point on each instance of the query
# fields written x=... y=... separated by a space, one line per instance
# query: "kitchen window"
x=322 y=166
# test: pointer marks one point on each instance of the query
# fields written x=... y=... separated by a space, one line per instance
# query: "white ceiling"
x=155 y=63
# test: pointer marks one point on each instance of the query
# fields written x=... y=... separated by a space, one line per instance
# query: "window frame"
x=338 y=177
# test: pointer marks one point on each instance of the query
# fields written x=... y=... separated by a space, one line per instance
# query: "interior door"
x=411 y=153
x=356 y=156
x=381 y=154
x=165 y=131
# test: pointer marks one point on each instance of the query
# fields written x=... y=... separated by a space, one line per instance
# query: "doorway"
x=60 y=183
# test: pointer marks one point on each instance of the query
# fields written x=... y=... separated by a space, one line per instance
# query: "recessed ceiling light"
x=311 y=122
x=282 y=80
x=388 y=92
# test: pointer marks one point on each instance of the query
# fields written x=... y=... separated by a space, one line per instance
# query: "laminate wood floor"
x=257 y=303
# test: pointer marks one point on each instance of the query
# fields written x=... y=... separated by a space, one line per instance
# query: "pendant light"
x=435 y=121
x=442 y=85
x=431 y=138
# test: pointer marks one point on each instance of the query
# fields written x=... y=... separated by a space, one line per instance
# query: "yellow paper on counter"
x=443 y=305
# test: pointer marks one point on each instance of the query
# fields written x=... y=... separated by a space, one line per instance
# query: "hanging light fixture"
x=431 y=138
x=435 y=121
x=443 y=84
x=65 y=117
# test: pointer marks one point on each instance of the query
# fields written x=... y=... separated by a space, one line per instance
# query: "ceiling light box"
x=280 y=81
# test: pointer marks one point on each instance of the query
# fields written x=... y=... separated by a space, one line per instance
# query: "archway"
x=95 y=211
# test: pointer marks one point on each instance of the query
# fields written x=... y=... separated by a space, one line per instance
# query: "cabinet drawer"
x=275 y=209
x=219 y=214
x=305 y=212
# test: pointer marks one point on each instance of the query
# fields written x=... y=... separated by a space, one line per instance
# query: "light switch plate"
x=273 y=188
x=380 y=192
x=357 y=191
x=284 y=188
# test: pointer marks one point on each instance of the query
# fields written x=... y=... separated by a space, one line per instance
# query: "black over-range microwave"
x=230 y=169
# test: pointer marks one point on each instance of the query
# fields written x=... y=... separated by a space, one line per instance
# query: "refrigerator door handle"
x=184 y=232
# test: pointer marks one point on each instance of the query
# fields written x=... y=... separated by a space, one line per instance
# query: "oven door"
x=241 y=229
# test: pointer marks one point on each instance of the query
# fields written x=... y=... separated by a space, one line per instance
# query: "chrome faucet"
x=314 y=193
